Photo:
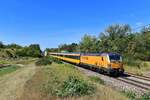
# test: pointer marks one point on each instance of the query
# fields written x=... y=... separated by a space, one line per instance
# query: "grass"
x=75 y=87
x=133 y=96
x=8 y=69
x=97 y=79
x=4 y=62
x=22 y=60
x=58 y=74
x=130 y=94
x=63 y=81
x=140 y=69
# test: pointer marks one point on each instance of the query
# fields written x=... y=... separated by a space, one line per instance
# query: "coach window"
x=77 y=57
x=66 y=56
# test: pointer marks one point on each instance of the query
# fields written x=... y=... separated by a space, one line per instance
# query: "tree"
x=68 y=47
x=142 y=48
x=13 y=46
x=88 y=44
x=51 y=49
x=115 y=38
x=32 y=50
x=2 y=45
x=145 y=29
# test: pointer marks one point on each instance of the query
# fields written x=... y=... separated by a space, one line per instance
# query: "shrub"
x=97 y=79
x=145 y=96
x=32 y=50
x=55 y=60
x=75 y=87
x=43 y=61
x=132 y=61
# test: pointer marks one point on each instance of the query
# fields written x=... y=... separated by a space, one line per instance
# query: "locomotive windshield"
x=114 y=57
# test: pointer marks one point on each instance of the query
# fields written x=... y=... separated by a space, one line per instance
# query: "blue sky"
x=53 y=22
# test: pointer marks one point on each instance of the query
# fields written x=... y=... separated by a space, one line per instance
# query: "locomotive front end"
x=115 y=64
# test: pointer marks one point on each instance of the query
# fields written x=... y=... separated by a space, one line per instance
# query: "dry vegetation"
x=49 y=79
x=142 y=68
x=52 y=82
x=12 y=83
x=22 y=60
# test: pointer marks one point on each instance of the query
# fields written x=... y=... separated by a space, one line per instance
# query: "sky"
x=54 y=22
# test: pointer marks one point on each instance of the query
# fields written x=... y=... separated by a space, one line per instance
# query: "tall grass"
x=64 y=81
x=130 y=94
x=97 y=79
x=67 y=80
x=133 y=96
x=136 y=66
x=8 y=69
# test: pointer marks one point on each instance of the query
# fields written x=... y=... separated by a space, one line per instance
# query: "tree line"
x=15 y=50
x=116 y=38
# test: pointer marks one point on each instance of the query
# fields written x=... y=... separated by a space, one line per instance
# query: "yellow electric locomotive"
x=104 y=62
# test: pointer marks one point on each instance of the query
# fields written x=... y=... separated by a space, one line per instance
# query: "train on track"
x=110 y=63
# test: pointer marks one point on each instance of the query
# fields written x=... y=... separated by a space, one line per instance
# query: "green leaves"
x=88 y=44
x=75 y=87
x=43 y=61
x=32 y=50
x=115 y=38
x=145 y=96
x=68 y=47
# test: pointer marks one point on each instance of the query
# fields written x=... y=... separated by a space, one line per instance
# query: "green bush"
x=132 y=62
x=43 y=61
x=56 y=60
x=75 y=87
x=145 y=96
x=97 y=79
x=32 y=50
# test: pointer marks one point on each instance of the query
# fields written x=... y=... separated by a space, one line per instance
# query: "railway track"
x=138 y=84
x=139 y=76
x=120 y=83
x=136 y=81
x=142 y=82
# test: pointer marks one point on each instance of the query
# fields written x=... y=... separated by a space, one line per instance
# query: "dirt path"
x=11 y=85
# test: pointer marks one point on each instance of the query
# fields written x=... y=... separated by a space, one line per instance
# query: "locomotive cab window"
x=114 y=57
